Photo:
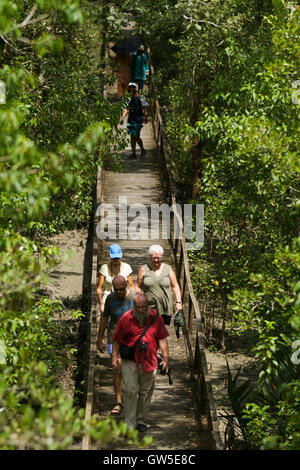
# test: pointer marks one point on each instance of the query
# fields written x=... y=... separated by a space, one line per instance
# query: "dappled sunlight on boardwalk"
x=171 y=418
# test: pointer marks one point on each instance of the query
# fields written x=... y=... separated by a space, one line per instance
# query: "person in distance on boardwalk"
x=123 y=63
x=106 y=274
x=139 y=74
x=145 y=105
x=158 y=280
x=139 y=372
x=135 y=119
x=117 y=303
x=139 y=68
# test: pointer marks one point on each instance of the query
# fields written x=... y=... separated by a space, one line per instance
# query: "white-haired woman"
x=158 y=281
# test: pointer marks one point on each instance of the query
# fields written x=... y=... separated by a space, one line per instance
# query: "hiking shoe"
x=142 y=427
x=143 y=153
x=117 y=409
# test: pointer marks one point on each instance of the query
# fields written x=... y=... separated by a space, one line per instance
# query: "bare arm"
x=99 y=292
x=176 y=289
x=124 y=115
x=163 y=344
x=102 y=328
x=139 y=280
x=114 y=356
x=130 y=281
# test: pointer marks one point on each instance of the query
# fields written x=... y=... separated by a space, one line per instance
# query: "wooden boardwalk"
x=171 y=418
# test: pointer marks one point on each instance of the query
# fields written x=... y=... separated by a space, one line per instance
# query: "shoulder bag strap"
x=145 y=330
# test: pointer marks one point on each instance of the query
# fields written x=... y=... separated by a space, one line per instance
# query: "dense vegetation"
x=55 y=127
x=226 y=73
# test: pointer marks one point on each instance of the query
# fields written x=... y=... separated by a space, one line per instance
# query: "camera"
x=143 y=346
x=162 y=370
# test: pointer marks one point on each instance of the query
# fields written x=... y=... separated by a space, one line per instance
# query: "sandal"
x=115 y=411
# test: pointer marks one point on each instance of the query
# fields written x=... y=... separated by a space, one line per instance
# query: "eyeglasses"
x=120 y=289
x=141 y=308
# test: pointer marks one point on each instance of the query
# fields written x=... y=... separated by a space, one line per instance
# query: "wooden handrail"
x=192 y=331
x=94 y=312
x=194 y=339
x=93 y=321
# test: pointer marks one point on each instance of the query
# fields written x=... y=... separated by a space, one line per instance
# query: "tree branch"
x=28 y=17
x=27 y=21
x=36 y=20
x=11 y=44
x=192 y=20
x=38 y=87
x=24 y=40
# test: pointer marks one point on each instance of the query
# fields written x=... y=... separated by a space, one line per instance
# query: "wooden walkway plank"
x=172 y=422
x=171 y=418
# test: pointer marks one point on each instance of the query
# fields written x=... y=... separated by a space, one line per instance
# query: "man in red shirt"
x=139 y=373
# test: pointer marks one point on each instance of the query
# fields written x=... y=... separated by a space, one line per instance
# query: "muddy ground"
x=67 y=282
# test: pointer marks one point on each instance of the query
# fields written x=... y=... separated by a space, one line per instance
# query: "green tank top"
x=158 y=289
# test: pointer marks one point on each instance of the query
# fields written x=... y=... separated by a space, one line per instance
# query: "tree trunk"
x=197 y=153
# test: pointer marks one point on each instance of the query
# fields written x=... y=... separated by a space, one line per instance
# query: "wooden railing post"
x=202 y=390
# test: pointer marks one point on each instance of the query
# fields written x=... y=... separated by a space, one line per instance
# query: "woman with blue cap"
x=106 y=274
x=108 y=271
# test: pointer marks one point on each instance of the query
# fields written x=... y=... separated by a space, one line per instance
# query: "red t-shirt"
x=128 y=330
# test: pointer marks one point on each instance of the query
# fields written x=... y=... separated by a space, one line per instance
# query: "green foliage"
x=226 y=72
x=55 y=128
x=237 y=393
x=275 y=426
x=35 y=414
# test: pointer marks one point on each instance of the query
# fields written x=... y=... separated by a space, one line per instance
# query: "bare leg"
x=145 y=114
x=118 y=382
x=133 y=145
x=140 y=142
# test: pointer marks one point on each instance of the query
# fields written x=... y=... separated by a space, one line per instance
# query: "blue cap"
x=115 y=251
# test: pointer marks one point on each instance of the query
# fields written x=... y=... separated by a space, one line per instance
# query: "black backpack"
x=135 y=110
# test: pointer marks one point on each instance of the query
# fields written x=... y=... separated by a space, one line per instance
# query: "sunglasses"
x=120 y=289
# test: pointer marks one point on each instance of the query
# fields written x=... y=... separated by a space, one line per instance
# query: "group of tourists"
x=131 y=67
x=135 y=315
x=133 y=70
x=136 y=318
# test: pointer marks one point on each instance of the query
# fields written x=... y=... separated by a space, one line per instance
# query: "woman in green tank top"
x=159 y=282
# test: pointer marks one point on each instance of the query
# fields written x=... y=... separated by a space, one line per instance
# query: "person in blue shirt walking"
x=135 y=113
x=139 y=68
x=116 y=304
